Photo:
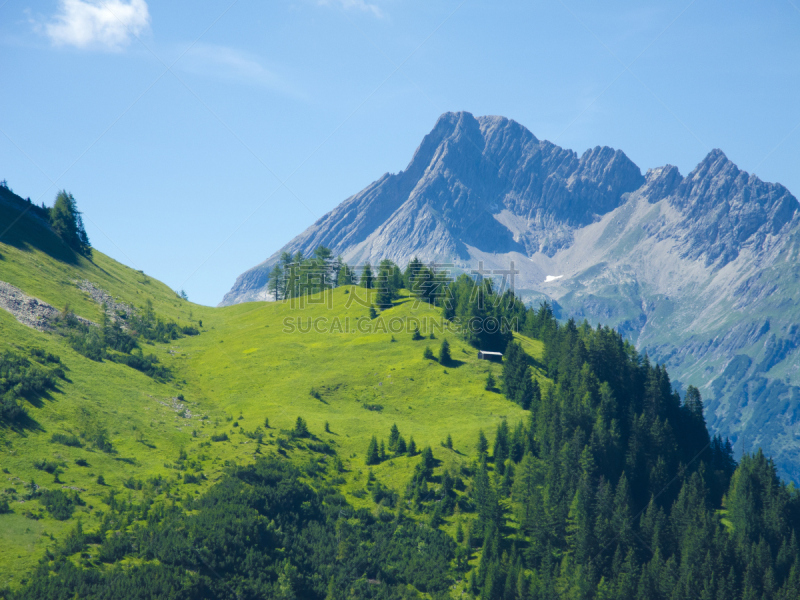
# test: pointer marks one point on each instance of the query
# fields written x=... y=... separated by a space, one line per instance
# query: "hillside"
x=320 y=448
x=240 y=370
x=700 y=271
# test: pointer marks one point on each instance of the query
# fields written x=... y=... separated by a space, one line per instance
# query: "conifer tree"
x=300 y=428
x=373 y=456
x=367 y=279
x=385 y=285
x=66 y=221
x=394 y=437
x=444 y=353
x=276 y=281
x=483 y=444
x=490 y=382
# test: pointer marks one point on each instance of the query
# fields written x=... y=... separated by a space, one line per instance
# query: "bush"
x=66 y=440
x=222 y=437
x=48 y=466
x=60 y=505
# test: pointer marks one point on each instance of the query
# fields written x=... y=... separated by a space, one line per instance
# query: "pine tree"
x=367 y=279
x=394 y=437
x=428 y=462
x=500 y=452
x=276 y=281
x=373 y=456
x=448 y=443
x=66 y=221
x=412 y=447
x=490 y=382
x=300 y=428
x=483 y=444
x=444 y=353
x=385 y=285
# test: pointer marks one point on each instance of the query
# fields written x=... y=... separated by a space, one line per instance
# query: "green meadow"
x=325 y=361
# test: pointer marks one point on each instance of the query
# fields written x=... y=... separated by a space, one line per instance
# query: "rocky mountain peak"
x=726 y=209
x=661 y=182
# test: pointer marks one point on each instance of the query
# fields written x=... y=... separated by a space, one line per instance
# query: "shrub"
x=221 y=437
x=66 y=440
x=58 y=504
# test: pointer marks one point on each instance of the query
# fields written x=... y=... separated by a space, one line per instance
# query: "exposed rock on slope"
x=28 y=310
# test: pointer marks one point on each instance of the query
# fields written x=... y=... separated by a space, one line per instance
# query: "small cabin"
x=485 y=355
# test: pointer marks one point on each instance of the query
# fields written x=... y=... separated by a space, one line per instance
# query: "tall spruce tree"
x=367 y=279
x=67 y=223
x=276 y=281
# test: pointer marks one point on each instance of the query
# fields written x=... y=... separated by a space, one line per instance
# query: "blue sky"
x=198 y=138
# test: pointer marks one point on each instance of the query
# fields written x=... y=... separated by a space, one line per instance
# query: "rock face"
x=486 y=182
x=701 y=271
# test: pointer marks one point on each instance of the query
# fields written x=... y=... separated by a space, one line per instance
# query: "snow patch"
x=550 y=278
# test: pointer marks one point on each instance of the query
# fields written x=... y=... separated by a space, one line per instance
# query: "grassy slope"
x=242 y=364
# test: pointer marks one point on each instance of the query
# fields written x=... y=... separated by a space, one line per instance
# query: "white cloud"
x=359 y=5
x=93 y=23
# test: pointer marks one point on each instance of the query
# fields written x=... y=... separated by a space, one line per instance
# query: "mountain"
x=700 y=271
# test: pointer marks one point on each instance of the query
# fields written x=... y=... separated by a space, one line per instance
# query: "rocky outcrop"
x=28 y=310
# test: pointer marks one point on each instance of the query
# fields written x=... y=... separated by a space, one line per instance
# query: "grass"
x=244 y=367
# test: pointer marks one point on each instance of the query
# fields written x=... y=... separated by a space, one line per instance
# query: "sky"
x=200 y=137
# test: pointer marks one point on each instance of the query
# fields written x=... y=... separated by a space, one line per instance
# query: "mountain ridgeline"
x=700 y=271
